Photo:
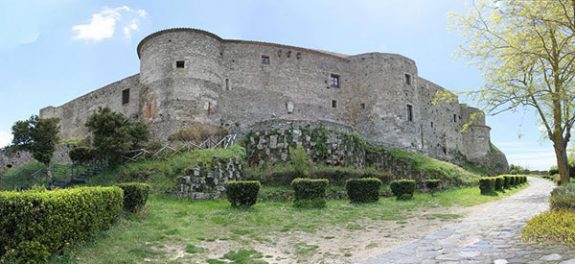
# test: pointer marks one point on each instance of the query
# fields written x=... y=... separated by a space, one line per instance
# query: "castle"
x=190 y=76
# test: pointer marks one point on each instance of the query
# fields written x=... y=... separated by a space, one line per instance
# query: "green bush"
x=432 y=185
x=36 y=224
x=135 y=196
x=364 y=190
x=563 y=197
x=551 y=227
x=487 y=185
x=506 y=181
x=299 y=161
x=82 y=154
x=499 y=184
x=403 y=189
x=309 y=192
x=242 y=193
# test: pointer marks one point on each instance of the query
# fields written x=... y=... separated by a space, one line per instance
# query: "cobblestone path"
x=489 y=234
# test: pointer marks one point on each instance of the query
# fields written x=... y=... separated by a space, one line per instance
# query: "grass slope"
x=167 y=221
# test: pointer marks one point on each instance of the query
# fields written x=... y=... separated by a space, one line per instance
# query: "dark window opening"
x=265 y=59
x=126 y=96
x=334 y=81
x=454 y=118
x=408 y=79
x=410 y=113
x=180 y=64
x=227 y=84
x=362 y=105
x=431 y=124
x=333 y=103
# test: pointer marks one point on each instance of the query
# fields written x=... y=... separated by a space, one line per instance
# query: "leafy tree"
x=526 y=51
x=38 y=136
x=299 y=161
x=113 y=134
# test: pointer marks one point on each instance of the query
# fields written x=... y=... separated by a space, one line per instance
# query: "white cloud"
x=5 y=139
x=103 y=24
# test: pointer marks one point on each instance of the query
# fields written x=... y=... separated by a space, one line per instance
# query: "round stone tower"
x=180 y=69
x=388 y=83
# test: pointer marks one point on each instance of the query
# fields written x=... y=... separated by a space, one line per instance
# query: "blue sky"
x=52 y=51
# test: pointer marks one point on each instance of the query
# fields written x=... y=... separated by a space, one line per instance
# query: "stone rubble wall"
x=324 y=142
x=208 y=182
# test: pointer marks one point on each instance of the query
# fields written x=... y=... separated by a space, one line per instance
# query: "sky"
x=52 y=51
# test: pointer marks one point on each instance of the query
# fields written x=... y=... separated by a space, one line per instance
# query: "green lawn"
x=168 y=221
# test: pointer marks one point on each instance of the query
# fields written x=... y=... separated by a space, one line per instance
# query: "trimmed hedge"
x=363 y=190
x=499 y=181
x=135 y=196
x=432 y=185
x=506 y=181
x=242 y=193
x=403 y=189
x=487 y=185
x=309 y=192
x=37 y=224
x=563 y=198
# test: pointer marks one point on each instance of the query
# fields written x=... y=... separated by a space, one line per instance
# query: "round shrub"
x=563 y=198
x=499 y=184
x=242 y=193
x=135 y=196
x=432 y=185
x=363 y=190
x=487 y=185
x=403 y=189
x=309 y=192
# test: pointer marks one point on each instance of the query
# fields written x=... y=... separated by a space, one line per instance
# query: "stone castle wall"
x=225 y=82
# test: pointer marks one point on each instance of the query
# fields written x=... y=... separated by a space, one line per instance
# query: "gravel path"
x=489 y=234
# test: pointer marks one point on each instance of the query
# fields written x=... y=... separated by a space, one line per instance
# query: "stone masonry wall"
x=240 y=83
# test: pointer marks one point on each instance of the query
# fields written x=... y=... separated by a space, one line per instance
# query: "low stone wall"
x=325 y=142
x=207 y=182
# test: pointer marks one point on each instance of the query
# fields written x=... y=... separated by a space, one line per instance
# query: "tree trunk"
x=562 y=161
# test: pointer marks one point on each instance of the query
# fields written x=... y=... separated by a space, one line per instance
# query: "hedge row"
x=491 y=185
x=37 y=224
x=311 y=193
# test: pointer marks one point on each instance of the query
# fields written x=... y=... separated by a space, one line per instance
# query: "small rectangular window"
x=333 y=103
x=454 y=118
x=227 y=84
x=334 y=80
x=180 y=64
x=408 y=79
x=362 y=105
x=410 y=113
x=265 y=59
x=126 y=96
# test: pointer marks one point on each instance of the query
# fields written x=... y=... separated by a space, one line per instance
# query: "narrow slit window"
x=227 y=84
x=333 y=103
x=408 y=79
x=454 y=118
x=125 y=96
x=410 y=113
x=265 y=59
x=362 y=105
x=180 y=64
x=334 y=80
